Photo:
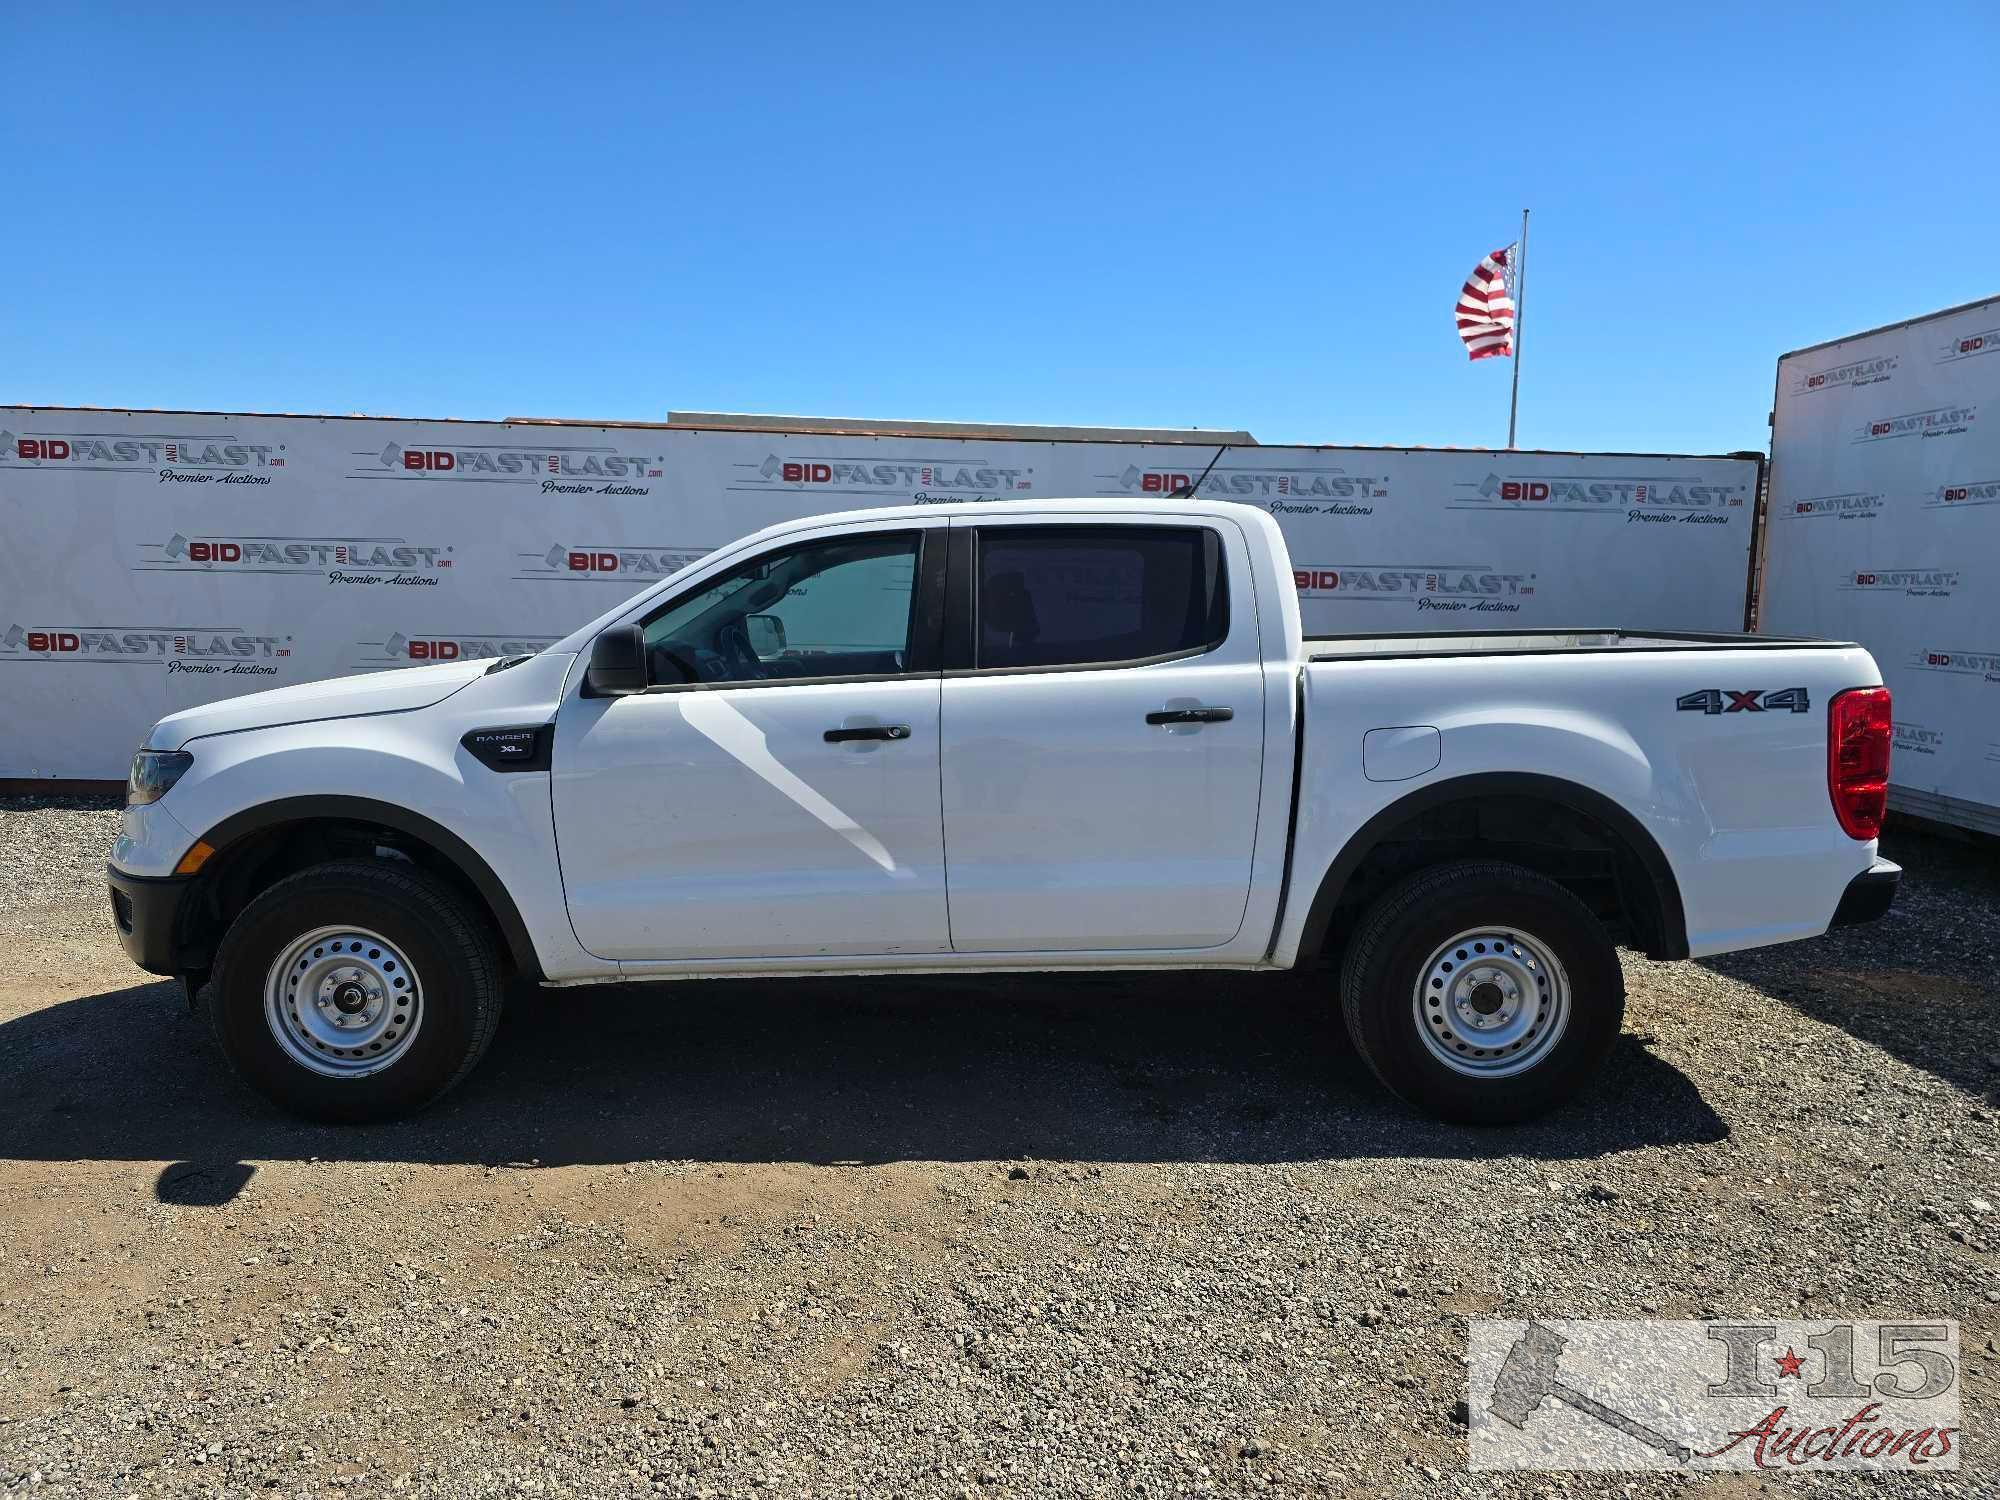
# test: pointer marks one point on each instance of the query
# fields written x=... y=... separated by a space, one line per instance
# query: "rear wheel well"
x=245 y=867
x=1616 y=871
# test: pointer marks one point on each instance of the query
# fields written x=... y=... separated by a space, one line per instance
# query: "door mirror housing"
x=617 y=663
x=766 y=634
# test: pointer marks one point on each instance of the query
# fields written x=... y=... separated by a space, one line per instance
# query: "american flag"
x=1486 y=306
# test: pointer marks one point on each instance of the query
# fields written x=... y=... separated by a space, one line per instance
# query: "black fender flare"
x=461 y=855
x=1673 y=941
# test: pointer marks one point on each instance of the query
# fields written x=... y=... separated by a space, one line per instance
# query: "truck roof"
x=1066 y=504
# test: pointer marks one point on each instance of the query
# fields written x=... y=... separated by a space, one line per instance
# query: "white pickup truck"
x=1027 y=736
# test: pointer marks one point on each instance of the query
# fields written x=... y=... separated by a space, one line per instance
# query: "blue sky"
x=1146 y=215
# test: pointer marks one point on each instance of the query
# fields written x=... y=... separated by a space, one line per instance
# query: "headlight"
x=153 y=774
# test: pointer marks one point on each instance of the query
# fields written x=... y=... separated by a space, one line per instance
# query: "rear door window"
x=1075 y=596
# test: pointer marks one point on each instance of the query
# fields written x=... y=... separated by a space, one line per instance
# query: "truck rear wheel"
x=356 y=991
x=1482 y=992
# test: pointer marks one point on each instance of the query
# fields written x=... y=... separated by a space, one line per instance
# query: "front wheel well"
x=255 y=859
x=1583 y=842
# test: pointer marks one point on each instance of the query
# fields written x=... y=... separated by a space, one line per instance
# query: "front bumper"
x=1868 y=894
x=146 y=910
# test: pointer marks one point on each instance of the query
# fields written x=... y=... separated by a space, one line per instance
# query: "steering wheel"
x=733 y=641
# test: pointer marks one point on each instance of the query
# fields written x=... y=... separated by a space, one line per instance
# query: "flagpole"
x=1519 y=289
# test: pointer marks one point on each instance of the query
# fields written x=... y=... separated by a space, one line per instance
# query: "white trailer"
x=158 y=560
x=1884 y=528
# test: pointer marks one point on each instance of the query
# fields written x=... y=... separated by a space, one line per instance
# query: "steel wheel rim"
x=1491 y=1002
x=343 y=1002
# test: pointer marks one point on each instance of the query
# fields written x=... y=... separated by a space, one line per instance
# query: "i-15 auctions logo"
x=401 y=650
x=569 y=470
x=1449 y=587
x=1643 y=497
x=367 y=561
x=607 y=562
x=176 y=458
x=179 y=648
x=1787 y=1396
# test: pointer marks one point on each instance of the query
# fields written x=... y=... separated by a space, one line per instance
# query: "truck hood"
x=395 y=691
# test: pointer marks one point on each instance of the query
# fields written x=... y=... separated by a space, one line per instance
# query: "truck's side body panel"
x=406 y=759
x=716 y=820
x=1083 y=841
x=1736 y=802
x=1073 y=823
x=1075 y=838
x=723 y=824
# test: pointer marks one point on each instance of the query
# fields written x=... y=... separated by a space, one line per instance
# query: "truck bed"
x=1718 y=742
x=1540 y=643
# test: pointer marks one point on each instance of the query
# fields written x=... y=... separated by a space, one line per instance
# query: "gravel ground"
x=1007 y=1237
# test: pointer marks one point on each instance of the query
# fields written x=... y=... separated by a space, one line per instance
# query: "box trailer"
x=1883 y=527
x=162 y=559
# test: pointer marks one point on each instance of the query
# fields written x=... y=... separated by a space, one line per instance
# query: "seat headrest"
x=1007 y=608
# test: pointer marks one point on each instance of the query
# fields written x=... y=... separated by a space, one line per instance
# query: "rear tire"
x=1482 y=992
x=356 y=991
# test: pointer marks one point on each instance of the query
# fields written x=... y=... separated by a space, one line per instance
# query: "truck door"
x=1102 y=735
x=774 y=793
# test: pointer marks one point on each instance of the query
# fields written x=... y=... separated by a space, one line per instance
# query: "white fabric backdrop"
x=1885 y=529
x=162 y=559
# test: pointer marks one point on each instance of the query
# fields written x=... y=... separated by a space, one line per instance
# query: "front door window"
x=841 y=607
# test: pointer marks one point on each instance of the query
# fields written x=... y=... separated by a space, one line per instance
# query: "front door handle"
x=1190 y=715
x=868 y=732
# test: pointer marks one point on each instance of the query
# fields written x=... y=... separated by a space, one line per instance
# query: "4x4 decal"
x=1729 y=701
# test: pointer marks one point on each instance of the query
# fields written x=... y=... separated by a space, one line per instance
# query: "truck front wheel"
x=355 y=991
x=1482 y=992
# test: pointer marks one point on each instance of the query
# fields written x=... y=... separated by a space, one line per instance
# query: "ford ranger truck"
x=1030 y=736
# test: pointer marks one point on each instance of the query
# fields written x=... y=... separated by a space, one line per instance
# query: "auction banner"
x=162 y=559
x=1884 y=528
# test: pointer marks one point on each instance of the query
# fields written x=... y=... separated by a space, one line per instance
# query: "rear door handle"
x=868 y=732
x=1190 y=715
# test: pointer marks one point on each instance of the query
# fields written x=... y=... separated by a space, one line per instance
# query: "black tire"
x=1396 y=938
x=447 y=944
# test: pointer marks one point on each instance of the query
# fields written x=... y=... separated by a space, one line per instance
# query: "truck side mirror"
x=617 y=663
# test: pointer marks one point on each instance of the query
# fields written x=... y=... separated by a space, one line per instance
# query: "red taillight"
x=1857 y=759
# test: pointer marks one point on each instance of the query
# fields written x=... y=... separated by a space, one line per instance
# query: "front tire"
x=1482 y=992
x=356 y=991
